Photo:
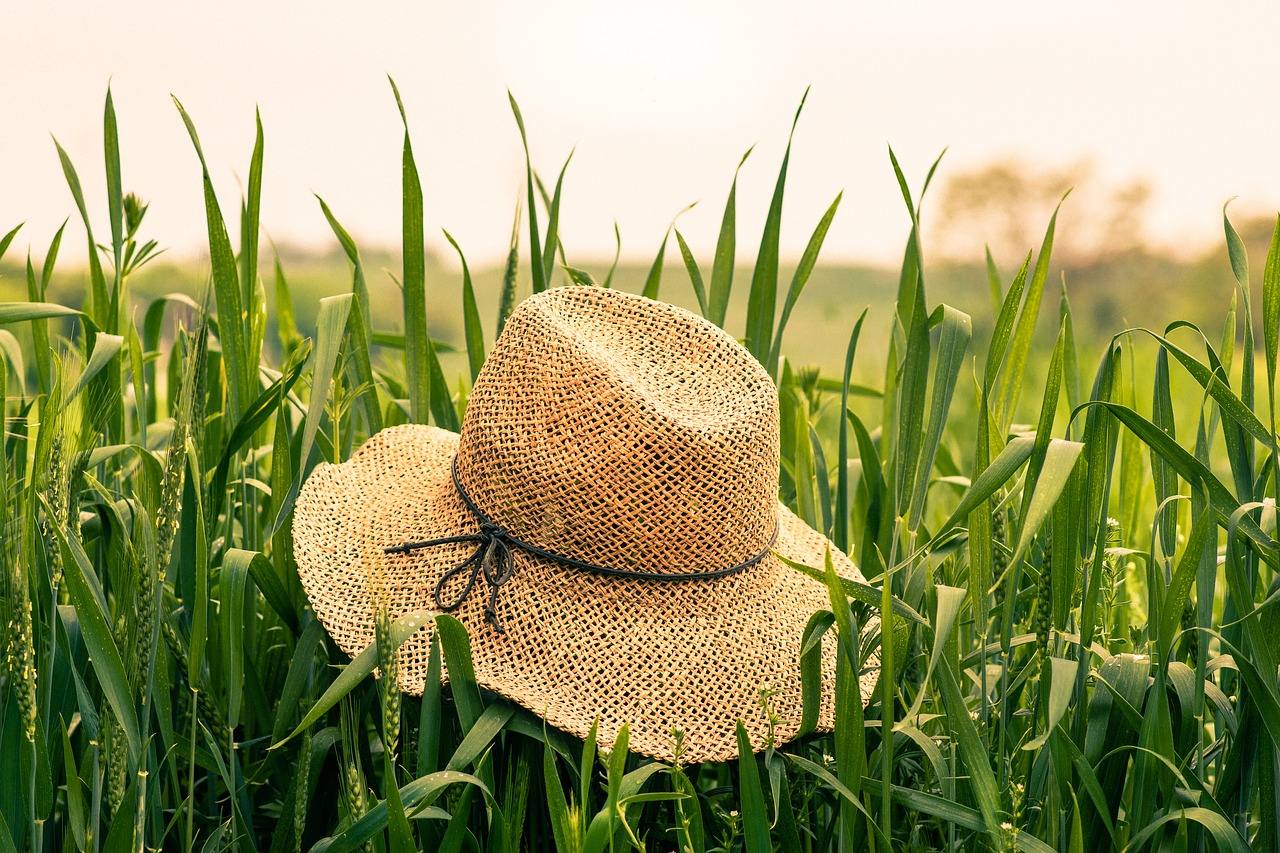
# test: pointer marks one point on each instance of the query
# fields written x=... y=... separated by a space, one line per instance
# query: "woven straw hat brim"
x=689 y=654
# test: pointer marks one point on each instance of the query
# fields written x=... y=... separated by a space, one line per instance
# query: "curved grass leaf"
x=726 y=253
x=91 y=607
x=355 y=672
x=226 y=287
x=808 y=259
x=755 y=821
x=470 y=315
x=414 y=280
x=763 y=296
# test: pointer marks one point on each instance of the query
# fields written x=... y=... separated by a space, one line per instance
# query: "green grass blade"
x=360 y=316
x=973 y=751
x=18 y=312
x=840 y=534
x=535 y=239
x=105 y=349
x=801 y=277
x=1059 y=461
x=361 y=666
x=763 y=296
x=1271 y=339
x=553 y=226
x=235 y=572
x=470 y=315
x=8 y=238
x=250 y=226
x=1012 y=380
x=510 y=273
x=100 y=302
x=953 y=344
x=226 y=287
x=726 y=253
x=91 y=607
x=695 y=275
x=653 y=279
x=1189 y=468
x=414 y=281
x=115 y=203
x=755 y=820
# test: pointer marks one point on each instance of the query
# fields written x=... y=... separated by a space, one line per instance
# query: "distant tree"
x=1006 y=205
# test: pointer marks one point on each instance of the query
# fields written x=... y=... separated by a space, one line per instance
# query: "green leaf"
x=957 y=328
x=695 y=275
x=535 y=239
x=462 y=674
x=973 y=751
x=755 y=821
x=808 y=260
x=726 y=253
x=470 y=315
x=105 y=348
x=331 y=325
x=507 y=301
x=257 y=414
x=763 y=296
x=360 y=316
x=100 y=304
x=582 y=278
x=1060 y=459
x=17 y=312
x=91 y=607
x=840 y=533
x=553 y=226
x=401 y=834
x=1225 y=837
x=654 y=278
x=235 y=571
x=415 y=797
x=8 y=238
x=415 y=297
x=355 y=672
x=487 y=726
x=1012 y=379
x=561 y=824
x=226 y=288
x=999 y=472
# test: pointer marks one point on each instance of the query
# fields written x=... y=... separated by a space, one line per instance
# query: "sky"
x=657 y=101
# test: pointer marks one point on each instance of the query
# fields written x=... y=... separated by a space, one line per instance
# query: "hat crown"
x=625 y=433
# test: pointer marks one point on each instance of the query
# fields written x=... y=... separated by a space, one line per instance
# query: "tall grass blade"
x=507 y=300
x=763 y=296
x=535 y=239
x=470 y=315
x=414 y=280
x=1011 y=382
x=695 y=276
x=953 y=344
x=653 y=280
x=360 y=317
x=226 y=288
x=808 y=260
x=755 y=821
x=840 y=534
x=717 y=304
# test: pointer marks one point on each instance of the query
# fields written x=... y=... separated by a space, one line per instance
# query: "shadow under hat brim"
x=578 y=645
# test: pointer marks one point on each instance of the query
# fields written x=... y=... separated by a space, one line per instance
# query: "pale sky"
x=660 y=98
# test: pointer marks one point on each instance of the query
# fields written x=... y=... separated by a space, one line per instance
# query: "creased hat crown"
x=623 y=432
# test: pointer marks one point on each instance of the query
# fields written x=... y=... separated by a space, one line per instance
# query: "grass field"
x=1070 y=536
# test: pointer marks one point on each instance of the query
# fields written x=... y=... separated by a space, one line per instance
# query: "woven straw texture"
x=621 y=432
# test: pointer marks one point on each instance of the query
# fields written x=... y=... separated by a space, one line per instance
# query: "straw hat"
x=606 y=526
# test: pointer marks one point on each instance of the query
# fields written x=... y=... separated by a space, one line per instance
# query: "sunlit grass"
x=1081 y=600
